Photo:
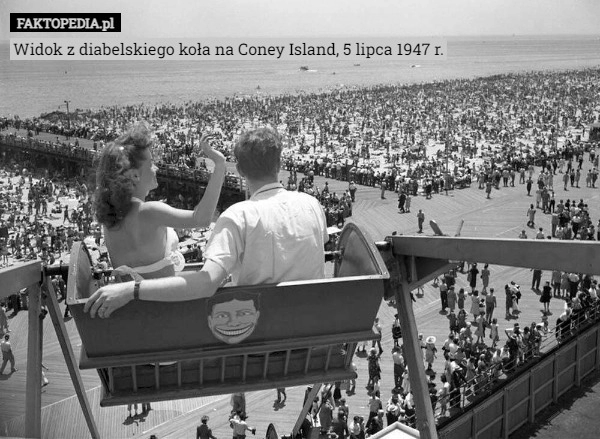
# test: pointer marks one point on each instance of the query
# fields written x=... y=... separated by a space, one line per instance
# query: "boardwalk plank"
x=501 y=216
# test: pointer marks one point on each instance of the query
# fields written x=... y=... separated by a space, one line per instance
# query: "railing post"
x=67 y=350
x=425 y=419
x=505 y=414
x=306 y=408
x=531 y=396
x=597 y=348
x=33 y=398
x=555 y=379
x=578 y=355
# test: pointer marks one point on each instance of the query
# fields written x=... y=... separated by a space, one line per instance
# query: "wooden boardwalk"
x=501 y=216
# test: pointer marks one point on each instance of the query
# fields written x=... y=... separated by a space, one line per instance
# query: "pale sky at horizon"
x=325 y=18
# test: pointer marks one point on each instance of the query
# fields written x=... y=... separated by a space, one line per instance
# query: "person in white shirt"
x=240 y=426
x=274 y=236
x=593 y=291
x=7 y=354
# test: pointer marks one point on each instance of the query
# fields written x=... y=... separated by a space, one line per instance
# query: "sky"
x=325 y=18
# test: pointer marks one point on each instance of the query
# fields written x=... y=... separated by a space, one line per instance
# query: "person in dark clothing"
x=339 y=426
x=473 y=272
x=304 y=431
x=536 y=279
x=401 y=201
x=374 y=368
x=457 y=379
x=203 y=431
x=375 y=424
x=546 y=296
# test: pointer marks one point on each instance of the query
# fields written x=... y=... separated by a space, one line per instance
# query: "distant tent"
x=594 y=132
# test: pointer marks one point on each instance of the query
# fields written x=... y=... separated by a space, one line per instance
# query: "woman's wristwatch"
x=136 y=290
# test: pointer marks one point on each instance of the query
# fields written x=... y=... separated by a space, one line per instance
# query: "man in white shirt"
x=7 y=354
x=274 y=236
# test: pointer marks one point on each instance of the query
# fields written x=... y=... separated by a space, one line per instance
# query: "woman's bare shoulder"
x=152 y=210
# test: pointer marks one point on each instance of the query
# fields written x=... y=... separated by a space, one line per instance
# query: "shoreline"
x=320 y=92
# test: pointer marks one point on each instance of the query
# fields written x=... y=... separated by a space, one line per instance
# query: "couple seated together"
x=274 y=236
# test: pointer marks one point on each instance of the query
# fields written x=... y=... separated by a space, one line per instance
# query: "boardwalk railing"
x=496 y=375
x=61 y=149
x=533 y=386
x=87 y=156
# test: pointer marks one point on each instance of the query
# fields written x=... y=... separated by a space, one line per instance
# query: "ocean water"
x=29 y=88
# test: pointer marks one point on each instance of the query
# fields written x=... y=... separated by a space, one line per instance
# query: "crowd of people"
x=337 y=207
x=362 y=135
x=444 y=136
x=477 y=355
x=40 y=218
x=473 y=361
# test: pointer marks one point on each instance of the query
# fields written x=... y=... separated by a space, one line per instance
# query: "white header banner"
x=97 y=49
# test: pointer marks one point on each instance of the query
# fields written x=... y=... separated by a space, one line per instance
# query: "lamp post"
x=447 y=146
x=68 y=116
x=556 y=129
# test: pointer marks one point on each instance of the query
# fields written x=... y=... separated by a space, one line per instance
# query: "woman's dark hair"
x=112 y=199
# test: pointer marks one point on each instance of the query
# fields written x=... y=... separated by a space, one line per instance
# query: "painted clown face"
x=233 y=321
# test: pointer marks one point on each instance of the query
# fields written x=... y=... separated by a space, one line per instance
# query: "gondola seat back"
x=257 y=336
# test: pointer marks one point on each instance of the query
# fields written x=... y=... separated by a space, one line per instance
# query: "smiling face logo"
x=233 y=319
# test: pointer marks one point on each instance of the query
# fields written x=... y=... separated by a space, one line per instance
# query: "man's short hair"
x=258 y=153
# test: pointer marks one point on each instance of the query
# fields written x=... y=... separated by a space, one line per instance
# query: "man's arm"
x=222 y=254
x=187 y=286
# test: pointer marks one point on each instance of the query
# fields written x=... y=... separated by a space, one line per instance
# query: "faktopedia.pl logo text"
x=67 y=22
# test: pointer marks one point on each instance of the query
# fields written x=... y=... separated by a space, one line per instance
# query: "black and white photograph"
x=299 y=219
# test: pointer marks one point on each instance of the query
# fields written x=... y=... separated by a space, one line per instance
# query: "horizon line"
x=513 y=35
